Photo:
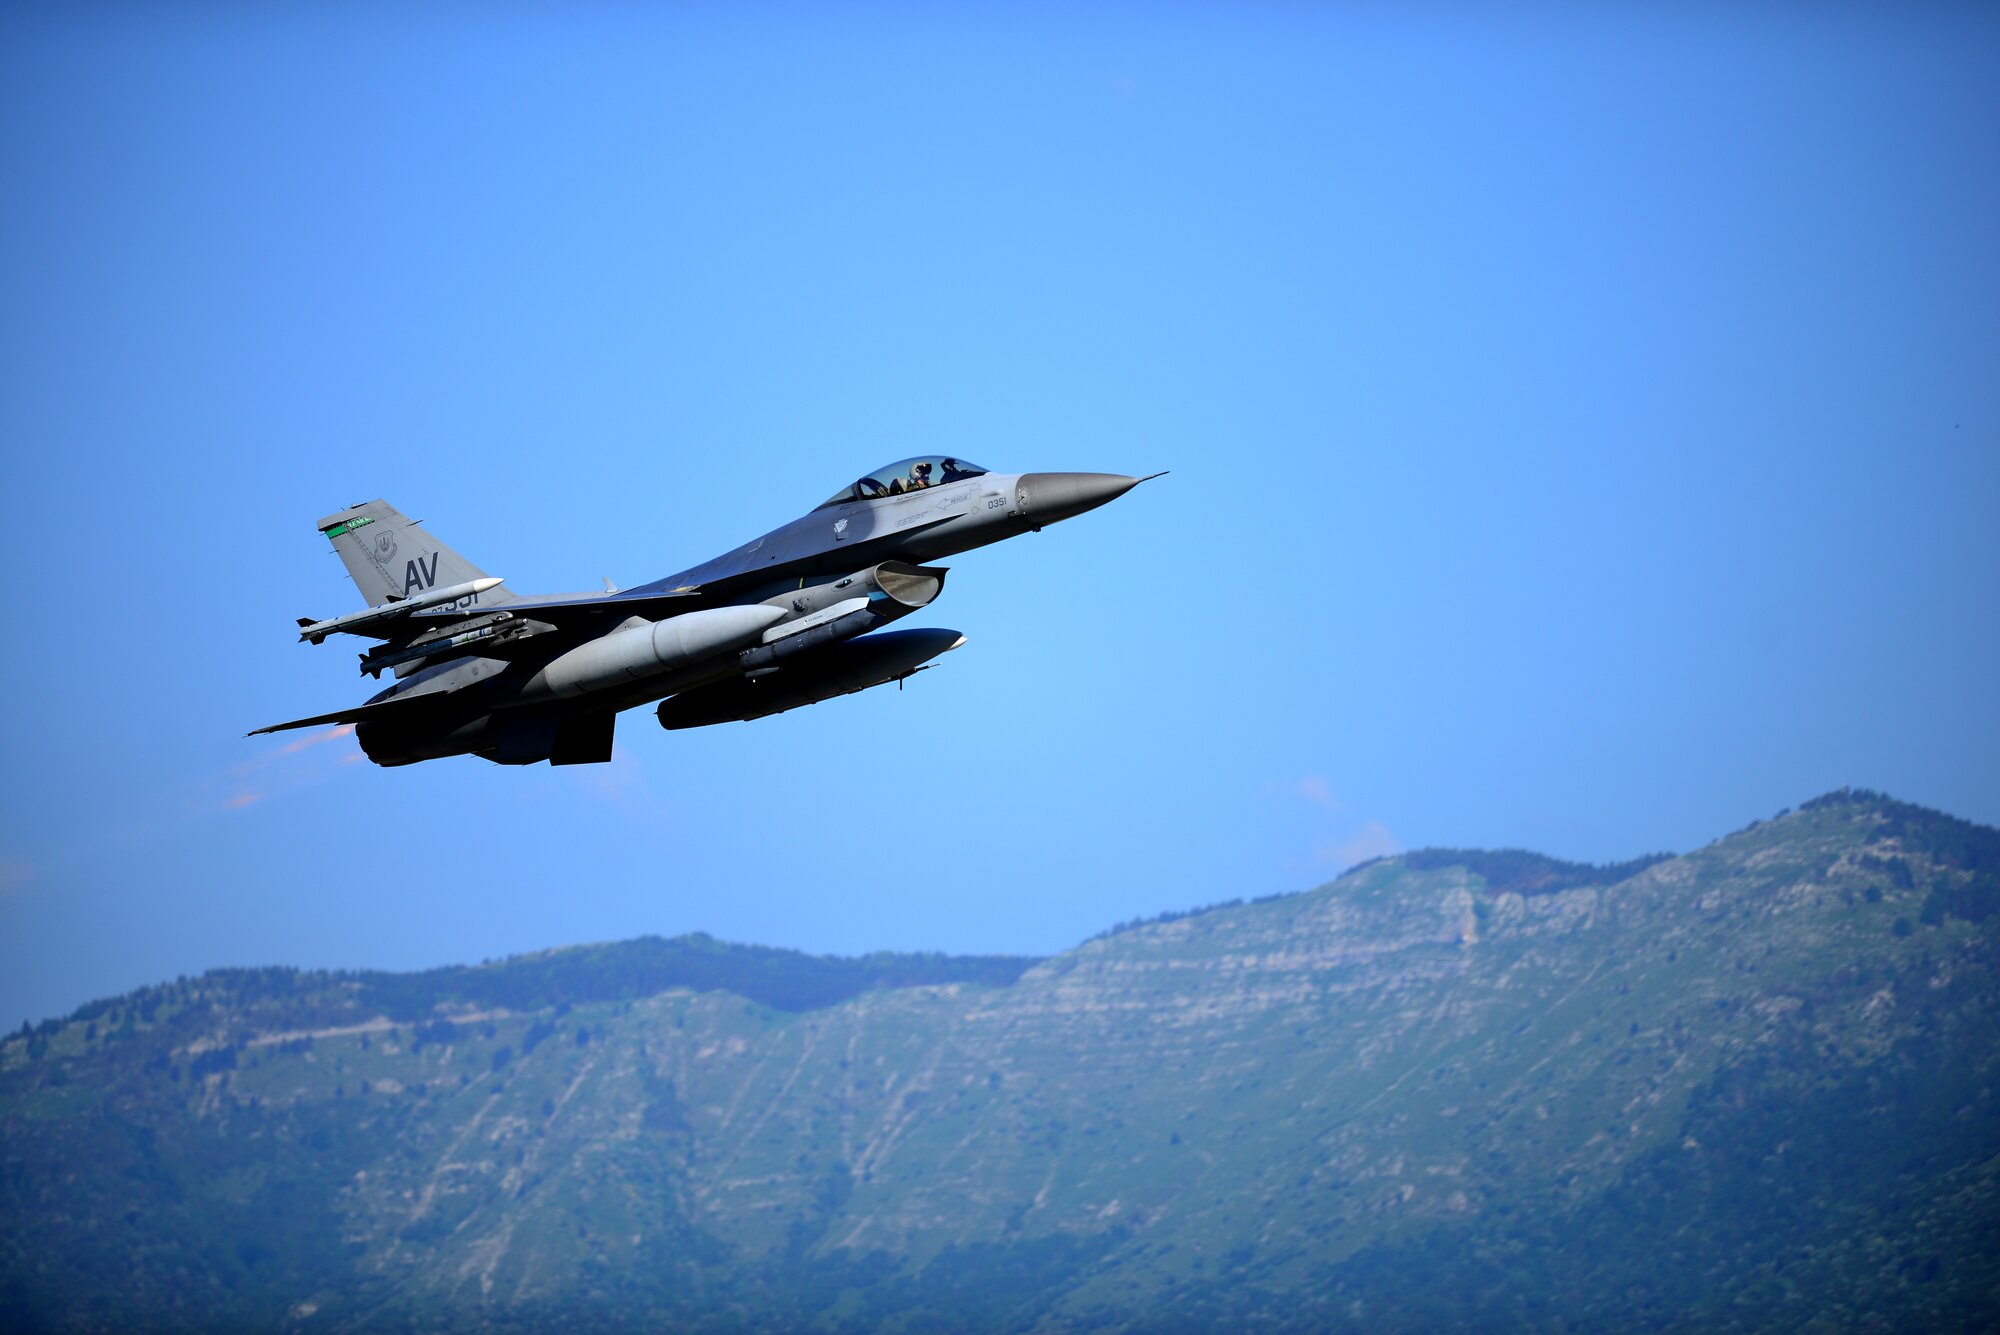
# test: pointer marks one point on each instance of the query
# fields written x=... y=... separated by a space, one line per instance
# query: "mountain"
x=1751 y=1088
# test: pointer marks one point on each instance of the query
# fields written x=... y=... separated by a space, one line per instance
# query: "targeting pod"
x=837 y=669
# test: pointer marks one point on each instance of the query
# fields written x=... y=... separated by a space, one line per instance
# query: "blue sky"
x=1584 y=429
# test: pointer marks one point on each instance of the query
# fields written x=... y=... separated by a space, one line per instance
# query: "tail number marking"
x=417 y=576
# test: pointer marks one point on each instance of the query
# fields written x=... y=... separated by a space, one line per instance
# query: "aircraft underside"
x=580 y=732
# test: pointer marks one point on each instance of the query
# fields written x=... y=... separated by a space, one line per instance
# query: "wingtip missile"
x=317 y=631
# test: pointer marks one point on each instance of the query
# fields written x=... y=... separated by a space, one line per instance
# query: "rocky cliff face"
x=1751 y=1086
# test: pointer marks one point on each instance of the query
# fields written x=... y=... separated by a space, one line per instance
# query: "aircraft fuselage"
x=768 y=626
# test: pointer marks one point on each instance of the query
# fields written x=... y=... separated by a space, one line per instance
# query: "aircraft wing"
x=557 y=611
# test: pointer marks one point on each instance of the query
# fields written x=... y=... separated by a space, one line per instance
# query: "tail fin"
x=389 y=556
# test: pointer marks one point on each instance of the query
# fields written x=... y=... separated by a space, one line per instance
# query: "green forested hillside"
x=1749 y=1088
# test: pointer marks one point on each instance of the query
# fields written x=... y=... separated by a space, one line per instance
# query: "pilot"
x=920 y=476
x=954 y=470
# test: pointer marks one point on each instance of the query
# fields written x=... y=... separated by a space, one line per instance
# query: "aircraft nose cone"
x=1047 y=497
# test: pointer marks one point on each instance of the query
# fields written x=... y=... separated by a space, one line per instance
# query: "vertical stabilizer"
x=389 y=556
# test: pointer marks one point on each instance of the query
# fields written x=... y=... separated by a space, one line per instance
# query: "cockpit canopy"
x=929 y=470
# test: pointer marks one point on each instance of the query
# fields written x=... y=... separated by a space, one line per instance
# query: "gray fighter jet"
x=783 y=622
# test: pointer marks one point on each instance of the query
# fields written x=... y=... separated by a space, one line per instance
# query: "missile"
x=503 y=627
x=319 y=630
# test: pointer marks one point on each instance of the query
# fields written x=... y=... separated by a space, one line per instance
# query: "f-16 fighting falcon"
x=783 y=622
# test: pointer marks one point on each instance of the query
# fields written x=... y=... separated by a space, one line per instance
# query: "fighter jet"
x=788 y=620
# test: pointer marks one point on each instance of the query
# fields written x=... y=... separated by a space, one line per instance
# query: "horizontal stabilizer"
x=363 y=713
